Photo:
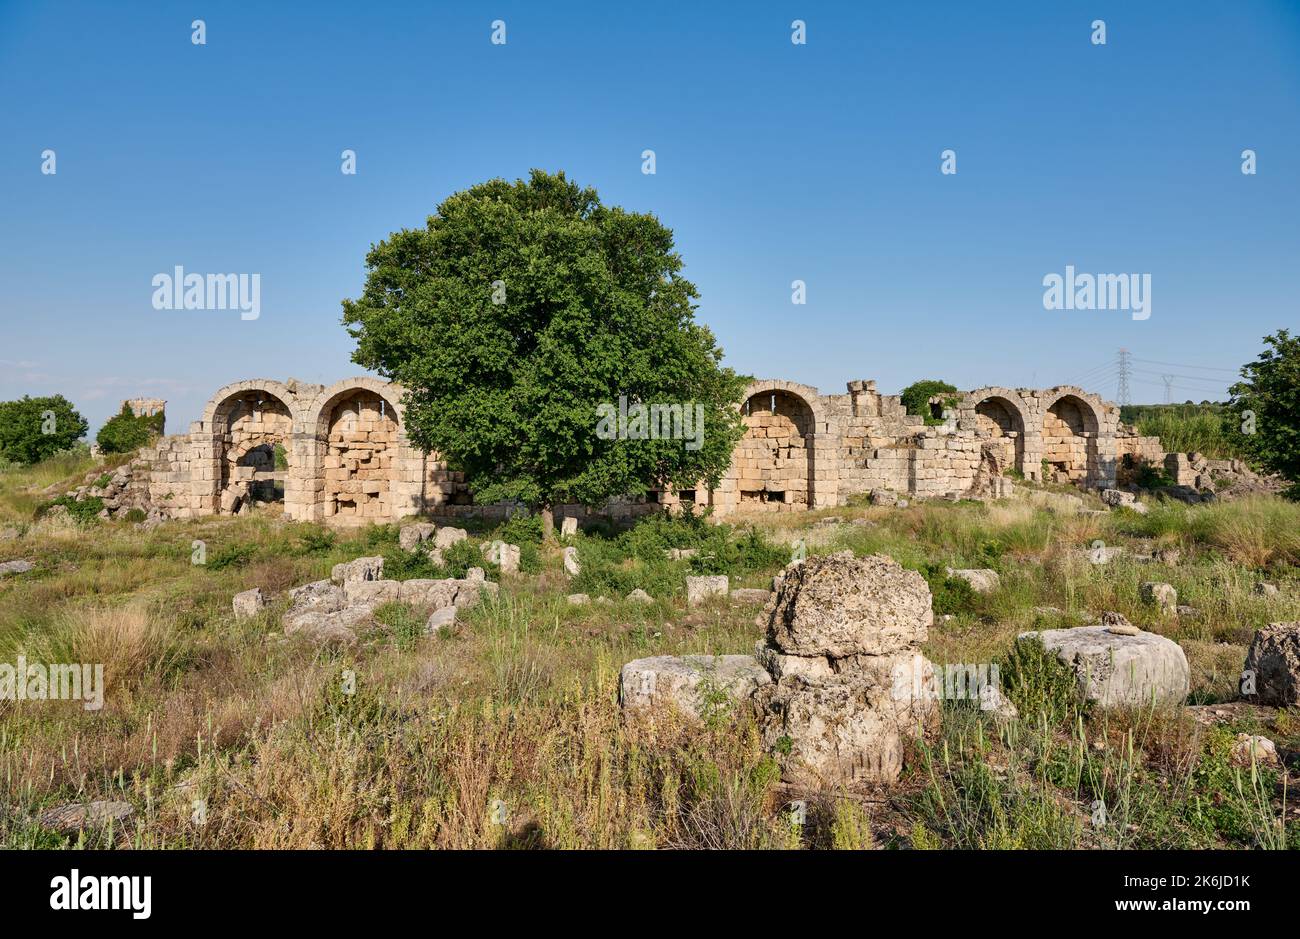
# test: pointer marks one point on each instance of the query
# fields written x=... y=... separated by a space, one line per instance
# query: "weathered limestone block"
x=426 y=592
x=568 y=527
x=372 y=593
x=371 y=568
x=690 y=684
x=15 y=567
x=78 y=815
x=446 y=537
x=1161 y=595
x=249 y=603
x=321 y=628
x=840 y=605
x=847 y=729
x=981 y=579
x=1273 y=661
x=571 y=565
x=321 y=596
x=699 y=589
x=781 y=666
x=1117 y=670
x=504 y=555
x=578 y=599
x=639 y=596
x=750 y=595
x=411 y=536
x=442 y=619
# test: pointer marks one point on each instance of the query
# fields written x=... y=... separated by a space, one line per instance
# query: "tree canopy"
x=523 y=312
x=1265 y=408
x=32 y=429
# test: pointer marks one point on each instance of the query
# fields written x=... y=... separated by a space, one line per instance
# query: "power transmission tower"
x=1123 y=377
x=1168 y=380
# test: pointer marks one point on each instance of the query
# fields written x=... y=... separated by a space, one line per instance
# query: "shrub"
x=84 y=512
x=916 y=398
x=951 y=595
x=125 y=432
x=1037 y=682
x=231 y=555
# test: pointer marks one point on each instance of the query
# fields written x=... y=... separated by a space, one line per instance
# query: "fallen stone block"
x=79 y=815
x=371 y=568
x=1119 y=670
x=1159 y=594
x=249 y=603
x=321 y=628
x=430 y=593
x=442 y=619
x=578 y=599
x=571 y=564
x=839 y=605
x=699 y=589
x=15 y=567
x=372 y=593
x=754 y=595
x=321 y=596
x=692 y=684
x=505 y=556
x=446 y=537
x=412 y=536
x=568 y=527
x=639 y=596
x=981 y=580
x=1273 y=663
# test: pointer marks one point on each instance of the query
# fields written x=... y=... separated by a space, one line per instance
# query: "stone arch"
x=1072 y=427
x=253 y=416
x=787 y=458
x=1002 y=416
x=360 y=465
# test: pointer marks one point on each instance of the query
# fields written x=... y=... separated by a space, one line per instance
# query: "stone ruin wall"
x=344 y=456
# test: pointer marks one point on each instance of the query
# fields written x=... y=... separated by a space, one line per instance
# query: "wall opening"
x=1070 y=442
x=361 y=442
x=1000 y=421
x=253 y=431
x=774 y=457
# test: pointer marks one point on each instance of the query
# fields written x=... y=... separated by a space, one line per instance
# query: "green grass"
x=408 y=740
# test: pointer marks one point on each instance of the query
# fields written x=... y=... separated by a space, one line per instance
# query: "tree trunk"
x=548 y=523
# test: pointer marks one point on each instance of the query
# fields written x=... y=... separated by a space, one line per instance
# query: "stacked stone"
x=358 y=465
x=849 y=682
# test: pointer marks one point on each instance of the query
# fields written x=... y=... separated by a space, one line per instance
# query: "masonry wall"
x=350 y=461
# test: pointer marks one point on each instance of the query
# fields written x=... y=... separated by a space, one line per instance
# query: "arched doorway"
x=774 y=459
x=1002 y=422
x=1070 y=431
x=360 y=429
x=251 y=431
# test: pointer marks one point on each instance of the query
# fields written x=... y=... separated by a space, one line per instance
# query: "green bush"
x=951 y=595
x=916 y=398
x=125 y=432
x=231 y=555
x=84 y=512
x=1037 y=682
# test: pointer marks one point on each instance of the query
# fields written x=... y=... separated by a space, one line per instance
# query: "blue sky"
x=775 y=162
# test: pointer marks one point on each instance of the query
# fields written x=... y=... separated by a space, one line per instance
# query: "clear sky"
x=775 y=162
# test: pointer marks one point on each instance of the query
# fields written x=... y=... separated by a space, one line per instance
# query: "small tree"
x=916 y=398
x=126 y=432
x=32 y=429
x=519 y=318
x=1264 y=411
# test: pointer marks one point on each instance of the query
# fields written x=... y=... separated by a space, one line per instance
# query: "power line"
x=1204 y=368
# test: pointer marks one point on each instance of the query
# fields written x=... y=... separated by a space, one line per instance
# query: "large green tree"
x=32 y=429
x=1265 y=408
x=523 y=312
x=125 y=432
